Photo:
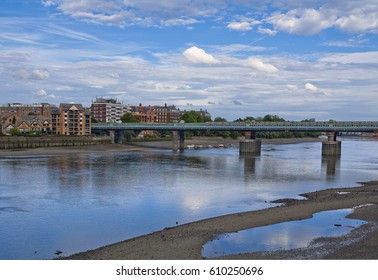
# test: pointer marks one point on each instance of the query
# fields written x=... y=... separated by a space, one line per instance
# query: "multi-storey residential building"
x=18 y=109
x=71 y=119
x=146 y=114
x=167 y=114
x=108 y=110
x=156 y=114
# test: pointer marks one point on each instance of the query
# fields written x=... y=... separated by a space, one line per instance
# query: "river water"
x=73 y=203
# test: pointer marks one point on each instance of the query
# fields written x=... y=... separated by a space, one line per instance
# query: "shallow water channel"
x=283 y=236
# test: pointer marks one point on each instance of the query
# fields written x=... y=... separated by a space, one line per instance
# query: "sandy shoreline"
x=186 y=241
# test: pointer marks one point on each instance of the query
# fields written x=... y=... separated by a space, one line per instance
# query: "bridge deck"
x=246 y=126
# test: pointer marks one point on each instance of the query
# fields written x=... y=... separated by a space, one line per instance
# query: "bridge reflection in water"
x=250 y=145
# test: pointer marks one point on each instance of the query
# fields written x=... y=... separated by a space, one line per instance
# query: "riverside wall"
x=21 y=142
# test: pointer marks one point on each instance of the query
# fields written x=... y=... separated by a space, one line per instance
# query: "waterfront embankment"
x=186 y=241
x=21 y=142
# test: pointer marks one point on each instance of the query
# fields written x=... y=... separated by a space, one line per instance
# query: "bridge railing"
x=326 y=125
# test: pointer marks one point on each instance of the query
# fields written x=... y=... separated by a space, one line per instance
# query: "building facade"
x=156 y=114
x=18 y=109
x=146 y=114
x=108 y=110
x=167 y=114
x=70 y=119
x=26 y=118
x=27 y=124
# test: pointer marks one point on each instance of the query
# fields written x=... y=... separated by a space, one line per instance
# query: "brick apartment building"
x=70 y=119
x=156 y=114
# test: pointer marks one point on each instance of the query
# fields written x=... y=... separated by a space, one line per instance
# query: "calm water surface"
x=73 y=203
x=283 y=236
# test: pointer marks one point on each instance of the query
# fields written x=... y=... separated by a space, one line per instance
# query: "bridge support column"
x=178 y=140
x=112 y=135
x=250 y=145
x=182 y=141
x=118 y=136
x=331 y=147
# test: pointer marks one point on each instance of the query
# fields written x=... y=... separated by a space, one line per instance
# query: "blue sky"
x=237 y=58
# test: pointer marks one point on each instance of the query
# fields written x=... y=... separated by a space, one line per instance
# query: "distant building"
x=156 y=114
x=71 y=119
x=33 y=124
x=26 y=117
x=167 y=114
x=18 y=109
x=108 y=110
x=146 y=114
x=205 y=114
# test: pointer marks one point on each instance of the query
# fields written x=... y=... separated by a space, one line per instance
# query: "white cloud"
x=352 y=58
x=42 y=92
x=267 y=31
x=240 y=26
x=179 y=21
x=311 y=87
x=48 y=3
x=199 y=56
x=35 y=74
x=302 y=21
x=291 y=87
x=183 y=83
x=359 y=22
x=298 y=17
x=40 y=74
x=141 y=12
x=64 y=88
x=258 y=64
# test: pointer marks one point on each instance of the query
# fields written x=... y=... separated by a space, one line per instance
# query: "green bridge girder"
x=327 y=126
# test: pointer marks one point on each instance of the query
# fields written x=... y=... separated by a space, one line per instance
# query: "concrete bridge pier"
x=178 y=140
x=112 y=135
x=331 y=147
x=250 y=145
x=116 y=136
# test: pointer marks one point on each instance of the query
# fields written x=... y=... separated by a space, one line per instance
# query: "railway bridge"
x=249 y=145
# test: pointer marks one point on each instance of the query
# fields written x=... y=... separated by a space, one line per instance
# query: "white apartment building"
x=108 y=110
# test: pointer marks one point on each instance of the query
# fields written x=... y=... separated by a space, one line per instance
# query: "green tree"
x=272 y=118
x=193 y=117
x=130 y=118
x=14 y=131
x=220 y=119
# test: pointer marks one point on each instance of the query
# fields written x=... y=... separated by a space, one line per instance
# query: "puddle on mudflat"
x=283 y=236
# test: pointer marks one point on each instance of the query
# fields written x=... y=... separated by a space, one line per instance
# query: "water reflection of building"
x=69 y=171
